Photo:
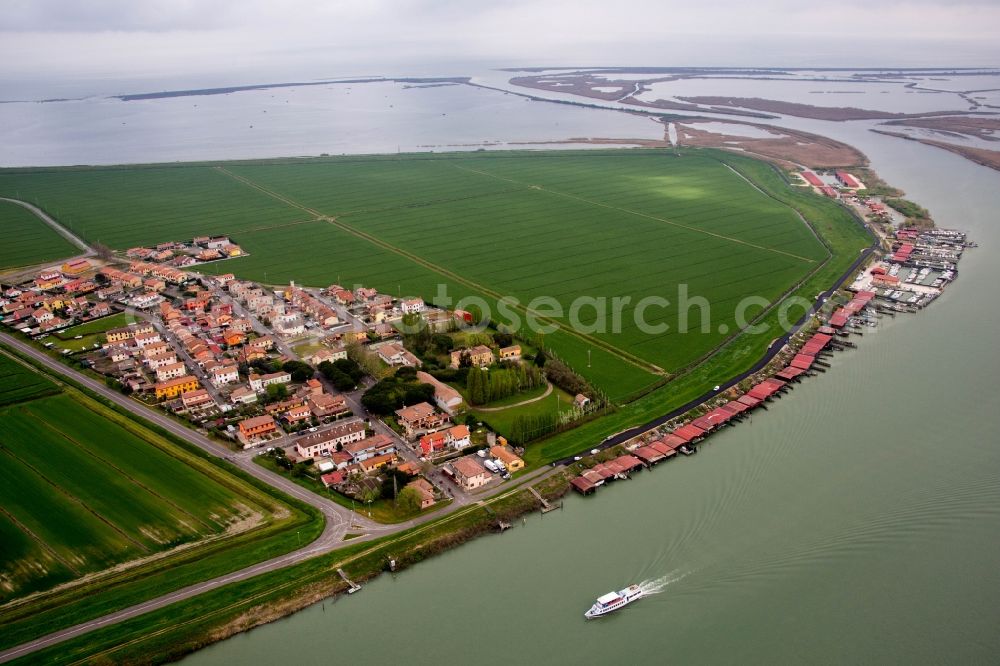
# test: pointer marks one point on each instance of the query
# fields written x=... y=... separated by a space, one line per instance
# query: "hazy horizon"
x=60 y=48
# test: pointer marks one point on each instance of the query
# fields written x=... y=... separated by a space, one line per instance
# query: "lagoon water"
x=857 y=520
x=381 y=117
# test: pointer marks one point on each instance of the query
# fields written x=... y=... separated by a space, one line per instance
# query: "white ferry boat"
x=612 y=601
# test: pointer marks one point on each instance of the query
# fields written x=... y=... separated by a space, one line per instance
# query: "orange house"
x=258 y=426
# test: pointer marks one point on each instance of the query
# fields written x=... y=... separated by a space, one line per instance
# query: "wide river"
x=855 y=521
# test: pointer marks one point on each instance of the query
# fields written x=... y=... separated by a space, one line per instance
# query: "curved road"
x=60 y=229
x=338 y=519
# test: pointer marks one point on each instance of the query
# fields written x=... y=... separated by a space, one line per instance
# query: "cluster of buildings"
x=832 y=185
x=476 y=470
x=481 y=356
x=58 y=298
x=179 y=255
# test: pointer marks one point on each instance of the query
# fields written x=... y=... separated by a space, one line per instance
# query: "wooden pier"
x=353 y=587
x=546 y=505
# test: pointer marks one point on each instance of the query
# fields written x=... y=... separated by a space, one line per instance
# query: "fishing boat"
x=613 y=601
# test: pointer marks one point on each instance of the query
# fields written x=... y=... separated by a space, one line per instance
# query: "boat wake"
x=657 y=585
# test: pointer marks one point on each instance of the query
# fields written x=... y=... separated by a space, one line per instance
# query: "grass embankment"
x=844 y=236
x=101 y=440
x=381 y=510
x=28 y=240
x=169 y=633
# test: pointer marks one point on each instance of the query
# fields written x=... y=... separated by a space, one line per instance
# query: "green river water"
x=857 y=520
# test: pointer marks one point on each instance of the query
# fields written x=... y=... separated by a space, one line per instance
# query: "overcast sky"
x=161 y=41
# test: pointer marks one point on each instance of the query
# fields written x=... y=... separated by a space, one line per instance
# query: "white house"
x=411 y=305
x=226 y=374
x=325 y=442
x=171 y=371
x=260 y=382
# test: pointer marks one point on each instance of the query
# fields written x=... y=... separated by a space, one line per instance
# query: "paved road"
x=338 y=519
x=60 y=229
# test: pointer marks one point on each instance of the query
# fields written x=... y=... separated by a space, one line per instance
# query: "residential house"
x=146 y=301
x=420 y=418
x=325 y=405
x=425 y=490
x=170 y=371
x=225 y=374
x=174 y=387
x=76 y=266
x=456 y=437
x=260 y=383
x=376 y=445
x=143 y=339
x=394 y=354
x=510 y=354
x=297 y=414
x=330 y=355
x=256 y=428
x=459 y=437
x=411 y=305
x=157 y=361
x=376 y=463
x=479 y=356
x=199 y=399
x=332 y=479
x=509 y=459
x=446 y=398
x=325 y=442
x=243 y=396
x=469 y=474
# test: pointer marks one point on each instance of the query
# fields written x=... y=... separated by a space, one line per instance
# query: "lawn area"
x=28 y=240
x=501 y=421
x=97 y=326
x=563 y=225
x=92 y=332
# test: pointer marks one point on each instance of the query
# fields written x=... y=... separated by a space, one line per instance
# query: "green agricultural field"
x=92 y=503
x=28 y=240
x=19 y=383
x=563 y=226
x=125 y=207
x=93 y=494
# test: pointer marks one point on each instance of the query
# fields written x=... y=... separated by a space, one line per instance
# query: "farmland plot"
x=28 y=240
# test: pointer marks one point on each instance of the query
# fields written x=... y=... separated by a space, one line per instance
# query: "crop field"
x=581 y=227
x=80 y=494
x=28 y=240
x=123 y=208
x=18 y=383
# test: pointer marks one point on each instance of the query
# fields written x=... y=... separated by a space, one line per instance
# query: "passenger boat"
x=613 y=601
